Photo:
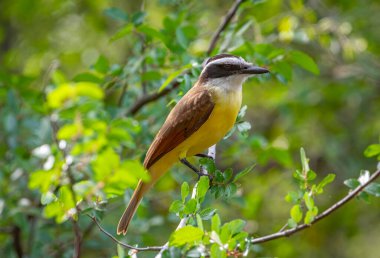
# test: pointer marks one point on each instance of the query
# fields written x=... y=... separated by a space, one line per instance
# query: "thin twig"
x=148 y=248
x=16 y=235
x=327 y=212
x=145 y=99
x=226 y=20
x=123 y=91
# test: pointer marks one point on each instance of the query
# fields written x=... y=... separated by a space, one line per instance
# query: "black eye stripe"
x=230 y=66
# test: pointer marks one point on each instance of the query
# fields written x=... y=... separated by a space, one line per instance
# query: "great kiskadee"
x=199 y=120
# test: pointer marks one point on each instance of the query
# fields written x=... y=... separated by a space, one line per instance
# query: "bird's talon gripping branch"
x=191 y=166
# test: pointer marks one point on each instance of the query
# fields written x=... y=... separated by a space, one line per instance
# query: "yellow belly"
x=221 y=120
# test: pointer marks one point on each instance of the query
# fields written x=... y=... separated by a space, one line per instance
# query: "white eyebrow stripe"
x=228 y=60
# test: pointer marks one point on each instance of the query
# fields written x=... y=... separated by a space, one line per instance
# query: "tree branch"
x=334 y=207
x=147 y=98
x=182 y=223
x=149 y=248
x=226 y=20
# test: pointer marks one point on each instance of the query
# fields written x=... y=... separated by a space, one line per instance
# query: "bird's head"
x=226 y=69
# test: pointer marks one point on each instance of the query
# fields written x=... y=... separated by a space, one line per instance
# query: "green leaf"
x=372 y=150
x=176 y=206
x=181 y=38
x=84 y=188
x=207 y=213
x=352 y=183
x=87 y=77
x=202 y=187
x=311 y=175
x=174 y=75
x=185 y=189
x=325 y=181
x=296 y=213
x=209 y=164
x=69 y=131
x=243 y=173
x=310 y=215
x=215 y=223
x=127 y=29
x=47 y=198
x=102 y=65
x=241 y=236
x=364 y=196
x=304 y=161
x=305 y=61
x=217 y=252
x=138 y=18
x=116 y=13
x=151 y=76
x=228 y=174
x=284 y=71
x=292 y=197
x=151 y=32
x=232 y=188
x=235 y=226
x=186 y=235
x=135 y=169
x=373 y=189
x=199 y=222
x=309 y=201
x=190 y=206
x=292 y=223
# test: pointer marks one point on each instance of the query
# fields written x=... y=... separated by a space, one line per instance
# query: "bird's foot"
x=194 y=169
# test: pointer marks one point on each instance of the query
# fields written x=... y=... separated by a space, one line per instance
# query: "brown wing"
x=186 y=118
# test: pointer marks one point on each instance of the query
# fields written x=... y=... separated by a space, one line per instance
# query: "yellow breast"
x=221 y=120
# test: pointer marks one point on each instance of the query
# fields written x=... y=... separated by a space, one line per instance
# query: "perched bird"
x=199 y=120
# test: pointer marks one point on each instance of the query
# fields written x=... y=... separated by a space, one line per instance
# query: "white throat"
x=230 y=83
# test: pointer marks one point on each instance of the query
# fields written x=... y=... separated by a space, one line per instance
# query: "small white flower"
x=364 y=177
x=42 y=151
x=62 y=144
x=49 y=163
x=24 y=202
x=71 y=212
x=16 y=174
x=69 y=160
x=2 y=204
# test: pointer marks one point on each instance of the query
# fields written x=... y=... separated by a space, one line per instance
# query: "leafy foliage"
x=74 y=138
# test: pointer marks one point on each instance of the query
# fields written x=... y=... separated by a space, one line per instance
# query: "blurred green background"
x=117 y=51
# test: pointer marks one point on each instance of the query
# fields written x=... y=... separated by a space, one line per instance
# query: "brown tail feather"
x=131 y=208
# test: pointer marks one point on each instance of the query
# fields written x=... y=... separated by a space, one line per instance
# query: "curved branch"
x=324 y=214
x=226 y=20
x=148 y=248
x=147 y=98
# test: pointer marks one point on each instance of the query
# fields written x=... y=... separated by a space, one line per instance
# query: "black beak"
x=253 y=70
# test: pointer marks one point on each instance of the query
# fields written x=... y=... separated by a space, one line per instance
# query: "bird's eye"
x=227 y=66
